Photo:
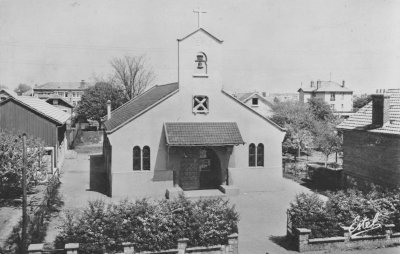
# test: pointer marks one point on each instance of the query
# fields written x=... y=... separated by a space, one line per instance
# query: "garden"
x=150 y=225
x=326 y=219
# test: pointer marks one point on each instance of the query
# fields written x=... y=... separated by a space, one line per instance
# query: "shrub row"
x=325 y=218
x=150 y=225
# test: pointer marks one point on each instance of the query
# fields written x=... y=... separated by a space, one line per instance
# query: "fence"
x=129 y=248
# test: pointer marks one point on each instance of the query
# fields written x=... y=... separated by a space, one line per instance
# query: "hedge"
x=150 y=225
x=326 y=218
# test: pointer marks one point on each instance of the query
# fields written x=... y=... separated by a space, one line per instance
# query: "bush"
x=342 y=207
x=11 y=164
x=150 y=225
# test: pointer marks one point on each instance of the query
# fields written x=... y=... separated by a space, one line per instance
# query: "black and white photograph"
x=199 y=126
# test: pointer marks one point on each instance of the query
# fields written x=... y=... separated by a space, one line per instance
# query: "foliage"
x=93 y=104
x=11 y=154
x=132 y=73
x=320 y=109
x=342 y=207
x=22 y=88
x=327 y=139
x=361 y=101
x=150 y=225
x=309 y=211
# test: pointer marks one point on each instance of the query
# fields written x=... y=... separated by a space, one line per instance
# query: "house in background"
x=60 y=103
x=6 y=93
x=338 y=96
x=191 y=135
x=371 y=140
x=71 y=92
x=36 y=118
x=258 y=101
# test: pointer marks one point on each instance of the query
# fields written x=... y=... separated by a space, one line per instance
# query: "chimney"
x=264 y=94
x=318 y=84
x=83 y=84
x=108 y=110
x=312 y=83
x=380 y=109
x=343 y=82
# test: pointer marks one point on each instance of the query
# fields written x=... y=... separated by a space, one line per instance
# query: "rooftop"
x=325 y=86
x=64 y=86
x=41 y=107
x=362 y=119
x=202 y=134
x=139 y=104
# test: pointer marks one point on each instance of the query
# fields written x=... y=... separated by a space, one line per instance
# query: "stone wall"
x=346 y=242
x=182 y=248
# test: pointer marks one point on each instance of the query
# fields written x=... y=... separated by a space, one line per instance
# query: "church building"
x=190 y=135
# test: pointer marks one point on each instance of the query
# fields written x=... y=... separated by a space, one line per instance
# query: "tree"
x=22 y=88
x=93 y=104
x=299 y=121
x=131 y=72
x=11 y=163
x=320 y=109
x=327 y=139
x=361 y=101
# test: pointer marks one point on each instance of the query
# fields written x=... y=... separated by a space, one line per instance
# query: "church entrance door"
x=200 y=169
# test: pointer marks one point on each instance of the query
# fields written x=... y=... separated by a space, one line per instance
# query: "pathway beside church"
x=262 y=225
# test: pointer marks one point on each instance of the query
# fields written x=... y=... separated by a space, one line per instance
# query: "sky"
x=269 y=45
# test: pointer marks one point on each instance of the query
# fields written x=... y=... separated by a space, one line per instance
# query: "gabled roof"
x=55 y=97
x=64 y=86
x=254 y=112
x=139 y=105
x=202 y=134
x=201 y=30
x=9 y=92
x=326 y=86
x=362 y=119
x=41 y=107
x=244 y=97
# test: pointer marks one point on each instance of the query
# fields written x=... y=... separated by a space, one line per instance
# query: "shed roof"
x=139 y=104
x=56 y=97
x=202 y=134
x=362 y=119
x=9 y=92
x=41 y=107
x=326 y=86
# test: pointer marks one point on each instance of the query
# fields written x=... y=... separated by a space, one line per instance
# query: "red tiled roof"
x=137 y=105
x=202 y=134
x=362 y=119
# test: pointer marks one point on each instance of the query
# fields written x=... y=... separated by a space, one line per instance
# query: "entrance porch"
x=198 y=155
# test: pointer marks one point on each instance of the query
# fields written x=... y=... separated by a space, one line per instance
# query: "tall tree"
x=327 y=140
x=320 y=109
x=299 y=121
x=22 y=88
x=93 y=104
x=132 y=73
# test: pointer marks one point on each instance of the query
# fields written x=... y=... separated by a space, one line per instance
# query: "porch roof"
x=202 y=134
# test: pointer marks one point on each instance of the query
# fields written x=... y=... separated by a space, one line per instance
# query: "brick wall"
x=372 y=156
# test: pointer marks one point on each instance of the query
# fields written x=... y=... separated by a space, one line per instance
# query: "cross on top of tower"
x=199 y=12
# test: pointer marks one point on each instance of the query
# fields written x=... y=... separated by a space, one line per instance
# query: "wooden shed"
x=36 y=118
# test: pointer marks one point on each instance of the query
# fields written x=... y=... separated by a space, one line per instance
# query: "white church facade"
x=191 y=134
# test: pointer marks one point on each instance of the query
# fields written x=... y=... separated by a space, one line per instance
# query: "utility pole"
x=24 y=201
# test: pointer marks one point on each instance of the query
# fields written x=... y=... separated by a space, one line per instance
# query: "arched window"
x=136 y=158
x=260 y=155
x=252 y=155
x=146 y=158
